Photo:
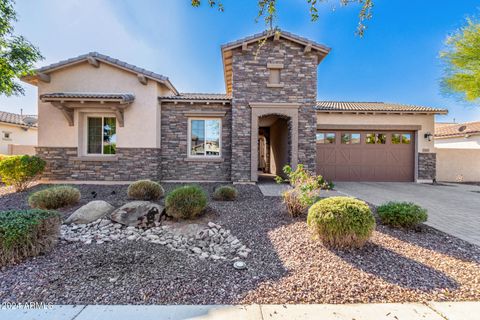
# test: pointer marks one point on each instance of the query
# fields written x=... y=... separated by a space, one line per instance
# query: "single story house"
x=104 y=119
x=458 y=151
x=18 y=133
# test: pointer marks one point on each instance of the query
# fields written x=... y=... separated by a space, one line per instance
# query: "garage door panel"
x=366 y=162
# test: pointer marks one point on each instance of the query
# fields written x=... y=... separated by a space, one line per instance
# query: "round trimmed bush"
x=225 y=193
x=341 y=222
x=402 y=214
x=145 y=190
x=186 y=202
x=54 y=197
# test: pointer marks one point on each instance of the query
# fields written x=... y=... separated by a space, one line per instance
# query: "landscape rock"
x=90 y=212
x=194 y=240
x=141 y=214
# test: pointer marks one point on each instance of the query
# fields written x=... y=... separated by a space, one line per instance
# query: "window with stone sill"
x=101 y=135
x=204 y=137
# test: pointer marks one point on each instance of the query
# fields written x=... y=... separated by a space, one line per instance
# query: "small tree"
x=267 y=9
x=21 y=171
x=462 y=62
x=17 y=54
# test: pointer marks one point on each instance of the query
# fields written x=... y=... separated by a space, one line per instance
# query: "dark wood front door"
x=366 y=155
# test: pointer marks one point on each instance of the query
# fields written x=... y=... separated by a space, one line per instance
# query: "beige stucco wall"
x=458 y=165
x=18 y=137
x=426 y=122
x=472 y=142
x=142 y=119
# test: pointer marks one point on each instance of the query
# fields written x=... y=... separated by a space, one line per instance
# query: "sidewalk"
x=413 y=311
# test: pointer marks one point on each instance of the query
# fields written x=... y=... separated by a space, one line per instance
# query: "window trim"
x=189 y=139
x=85 y=135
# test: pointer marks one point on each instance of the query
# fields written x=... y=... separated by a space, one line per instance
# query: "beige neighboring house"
x=104 y=119
x=458 y=151
x=18 y=133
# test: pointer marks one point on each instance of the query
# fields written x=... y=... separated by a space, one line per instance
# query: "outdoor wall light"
x=428 y=136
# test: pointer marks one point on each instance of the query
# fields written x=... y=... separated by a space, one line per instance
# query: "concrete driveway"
x=452 y=208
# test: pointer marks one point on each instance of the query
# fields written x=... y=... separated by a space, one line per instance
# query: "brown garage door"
x=366 y=155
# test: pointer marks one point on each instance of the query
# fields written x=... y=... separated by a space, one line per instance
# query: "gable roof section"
x=15 y=118
x=105 y=59
x=276 y=34
x=457 y=130
x=373 y=107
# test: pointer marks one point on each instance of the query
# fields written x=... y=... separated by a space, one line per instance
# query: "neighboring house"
x=104 y=119
x=18 y=133
x=458 y=149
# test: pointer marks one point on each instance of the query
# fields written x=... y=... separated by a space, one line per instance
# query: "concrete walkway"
x=387 y=311
x=452 y=208
x=272 y=189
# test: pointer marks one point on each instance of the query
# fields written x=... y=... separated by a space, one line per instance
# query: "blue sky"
x=396 y=61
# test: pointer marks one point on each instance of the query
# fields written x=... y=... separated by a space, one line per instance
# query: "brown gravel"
x=285 y=266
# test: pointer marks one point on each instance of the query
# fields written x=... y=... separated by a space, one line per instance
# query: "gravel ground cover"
x=286 y=265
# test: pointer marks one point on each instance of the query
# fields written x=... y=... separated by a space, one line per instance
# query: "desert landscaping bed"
x=285 y=265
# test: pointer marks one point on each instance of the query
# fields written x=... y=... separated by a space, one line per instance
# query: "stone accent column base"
x=427 y=166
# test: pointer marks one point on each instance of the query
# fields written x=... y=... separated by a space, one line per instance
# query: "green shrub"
x=402 y=214
x=54 y=197
x=300 y=177
x=27 y=233
x=186 y=202
x=20 y=171
x=341 y=222
x=306 y=188
x=225 y=193
x=145 y=190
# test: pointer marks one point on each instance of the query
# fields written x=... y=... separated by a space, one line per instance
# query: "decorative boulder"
x=90 y=212
x=141 y=214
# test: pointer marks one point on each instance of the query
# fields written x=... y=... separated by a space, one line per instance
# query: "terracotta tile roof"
x=15 y=118
x=457 y=130
x=124 y=97
x=150 y=74
x=339 y=106
x=198 y=96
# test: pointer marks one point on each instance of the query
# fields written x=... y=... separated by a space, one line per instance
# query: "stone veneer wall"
x=427 y=166
x=174 y=156
x=249 y=84
x=129 y=164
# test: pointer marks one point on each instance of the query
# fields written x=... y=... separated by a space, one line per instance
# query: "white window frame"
x=85 y=135
x=189 y=137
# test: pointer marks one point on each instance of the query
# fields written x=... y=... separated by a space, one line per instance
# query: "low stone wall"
x=458 y=165
x=127 y=165
x=427 y=166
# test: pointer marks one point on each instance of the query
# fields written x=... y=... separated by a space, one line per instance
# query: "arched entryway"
x=274 y=138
